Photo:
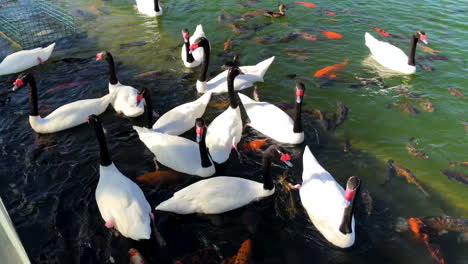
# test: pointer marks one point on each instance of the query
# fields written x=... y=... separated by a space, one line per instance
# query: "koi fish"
x=227 y=45
x=456 y=175
x=330 y=71
x=456 y=92
x=219 y=105
x=328 y=12
x=381 y=31
x=414 y=151
x=407 y=108
x=305 y=4
x=254 y=145
x=331 y=19
x=427 y=49
x=421 y=231
x=160 y=177
x=456 y=163
x=235 y=28
x=407 y=174
x=300 y=57
x=427 y=105
x=135 y=257
x=308 y=36
x=67 y=85
x=331 y=35
x=245 y=252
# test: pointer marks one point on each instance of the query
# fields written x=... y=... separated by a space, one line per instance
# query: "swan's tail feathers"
x=199 y=30
x=205 y=98
x=369 y=39
x=48 y=50
x=262 y=67
x=177 y=206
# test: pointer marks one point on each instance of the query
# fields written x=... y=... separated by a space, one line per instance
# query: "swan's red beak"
x=199 y=131
x=99 y=56
x=139 y=98
x=185 y=35
x=423 y=38
x=194 y=46
x=18 y=83
x=87 y=119
x=299 y=95
x=286 y=159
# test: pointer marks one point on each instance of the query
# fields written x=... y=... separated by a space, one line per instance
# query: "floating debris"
x=415 y=152
x=456 y=92
x=456 y=176
x=405 y=173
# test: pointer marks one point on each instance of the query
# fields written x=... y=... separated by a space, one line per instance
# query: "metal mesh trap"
x=30 y=23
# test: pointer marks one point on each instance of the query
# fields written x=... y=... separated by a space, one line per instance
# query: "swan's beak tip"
x=289 y=164
x=425 y=41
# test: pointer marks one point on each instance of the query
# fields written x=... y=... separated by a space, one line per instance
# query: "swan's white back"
x=177 y=153
x=182 y=118
x=146 y=7
x=215 y=195
x=25 y=59
x=125 y=100
x=223 y=132
x=323 y=199
x=271 y=121
x=251 y=75
x=388 y=55
x=69 y=115
x=120 y=200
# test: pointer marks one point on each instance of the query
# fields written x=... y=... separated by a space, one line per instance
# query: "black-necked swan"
x=392 y=57
x=25 y=59
x=329 y=206
x=64 y=117
x=283 y=129
x=224 y=193
x=150 y=8
x=178 y=153
x=194 y=58
x=179 y=119
x=121 y=202
x=125 y=99
x=217 y=84
x=226 y=129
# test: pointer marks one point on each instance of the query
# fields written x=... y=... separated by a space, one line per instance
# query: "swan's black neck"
x=300 y=89
x=31 y=82
x=156 y=5
x=204 y=43
x=230 y=85
x=345 y=226
x=104 y=152
x=412 y=54
x=205 y=160
x=148 y=109
x=267 y=157
x=112 y=75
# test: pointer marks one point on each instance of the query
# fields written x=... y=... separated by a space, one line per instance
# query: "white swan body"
x=182 y=118
x=251 y=75
x=215 y=195
x=177 y=153
x=197 y=54
x=324 y=200
x=122 y=202
x=125 y=100
x=69 y=115
x=147 y=7
x=388 y=55
x=223 y=133
x=25 y=59
x=271 y=121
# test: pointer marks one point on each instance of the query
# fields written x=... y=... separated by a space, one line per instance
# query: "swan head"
x=185 y=34
x=199 y=42
x=103 y=55
x=200 y=129
x=275 y=151
x=20 y=81
x=421 y=35
x=300 y=89
x=352 y=188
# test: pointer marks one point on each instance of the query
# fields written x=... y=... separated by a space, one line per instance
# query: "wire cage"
x=30 y=23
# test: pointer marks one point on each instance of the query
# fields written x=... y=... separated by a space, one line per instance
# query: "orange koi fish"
x=308 y=36
x=331 y=35
x=135 y=257
x=227 y=45
x=219 y=105
x=331 y=19
x=421 y=231
x=300 y=57
x=331 y=13
x=66 y=85
x=159 y=177
x=254 y=145
x=427 y=49
x=244 y=253
x=381 y=31
x=330 y=71
x=305 y=4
